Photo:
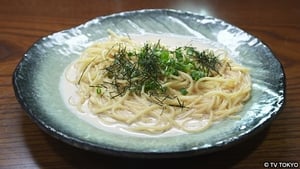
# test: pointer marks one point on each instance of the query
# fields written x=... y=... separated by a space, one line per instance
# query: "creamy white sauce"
x=68 y=89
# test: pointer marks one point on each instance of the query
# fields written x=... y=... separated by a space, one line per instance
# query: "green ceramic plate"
x=37 y=76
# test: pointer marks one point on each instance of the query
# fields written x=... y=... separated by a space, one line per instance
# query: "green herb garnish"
x=144 y=70
x=183 y=91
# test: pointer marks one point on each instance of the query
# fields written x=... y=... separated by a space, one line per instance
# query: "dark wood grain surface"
x=23 y=145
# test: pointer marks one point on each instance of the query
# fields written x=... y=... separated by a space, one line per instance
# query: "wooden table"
x=24 y=145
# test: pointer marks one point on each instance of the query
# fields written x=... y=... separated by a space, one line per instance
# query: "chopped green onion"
x=183 y=91
x=144 y=69
x=98 y=90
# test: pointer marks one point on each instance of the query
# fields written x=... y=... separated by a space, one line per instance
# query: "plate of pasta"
x=151 y=83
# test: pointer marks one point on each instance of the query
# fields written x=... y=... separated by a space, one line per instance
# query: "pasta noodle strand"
x=208 y=99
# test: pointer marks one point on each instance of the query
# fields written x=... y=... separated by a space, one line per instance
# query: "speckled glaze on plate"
x=36 y=84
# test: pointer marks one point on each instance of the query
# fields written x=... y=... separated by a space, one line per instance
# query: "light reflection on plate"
x=36 y=83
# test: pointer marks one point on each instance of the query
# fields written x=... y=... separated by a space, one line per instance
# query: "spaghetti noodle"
x=152 y=89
